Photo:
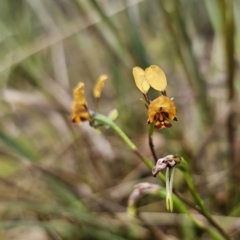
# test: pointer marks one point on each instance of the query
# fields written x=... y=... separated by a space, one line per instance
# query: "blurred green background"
x=60 y=181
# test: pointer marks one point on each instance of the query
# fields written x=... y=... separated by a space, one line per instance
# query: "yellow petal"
x=140 y=81
x=162 y=102
x=156 y=78
x=99 y=86
x=78 y=94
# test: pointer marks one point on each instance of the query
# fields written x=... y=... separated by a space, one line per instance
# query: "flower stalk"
x=150 y=141
x=108 y=122
x=169 y=187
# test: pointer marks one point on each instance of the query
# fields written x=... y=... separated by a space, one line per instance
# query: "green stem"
x=108 y=122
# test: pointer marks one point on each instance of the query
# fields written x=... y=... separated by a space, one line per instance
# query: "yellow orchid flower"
x=80 y=111
x=161 y=109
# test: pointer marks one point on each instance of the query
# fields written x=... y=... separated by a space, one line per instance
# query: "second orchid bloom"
x=80 y=111
x=162 y=108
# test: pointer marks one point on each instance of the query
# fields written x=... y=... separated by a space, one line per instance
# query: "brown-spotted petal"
x=79 y=113
x=161 y=109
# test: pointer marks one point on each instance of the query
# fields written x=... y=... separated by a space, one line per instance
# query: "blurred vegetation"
x=60 y=181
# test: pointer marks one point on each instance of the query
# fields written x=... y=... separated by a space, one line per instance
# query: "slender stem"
x=168 y=193
x=146 y=98
x=171 y=172
x=150 y=141
x=167 y=188
x=108 y=122
x=97 y=104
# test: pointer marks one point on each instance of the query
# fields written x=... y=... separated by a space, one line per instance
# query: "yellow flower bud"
x=99 y=86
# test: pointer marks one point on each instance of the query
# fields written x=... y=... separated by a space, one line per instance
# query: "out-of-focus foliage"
x=61 y=181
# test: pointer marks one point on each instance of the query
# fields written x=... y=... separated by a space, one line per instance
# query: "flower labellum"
x=79 y=107
x=161 y=109
x=79 y=114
